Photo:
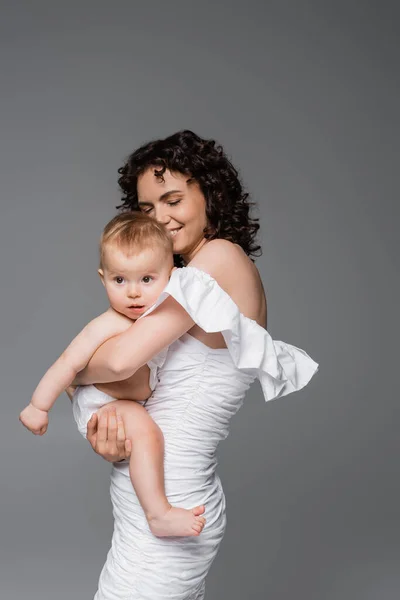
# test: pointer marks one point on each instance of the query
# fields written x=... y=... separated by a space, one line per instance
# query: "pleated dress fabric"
x=196 y=392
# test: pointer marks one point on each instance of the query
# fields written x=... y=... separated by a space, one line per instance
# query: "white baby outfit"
x=198 y=390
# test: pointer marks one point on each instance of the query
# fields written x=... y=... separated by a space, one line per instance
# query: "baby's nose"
x=133 y=291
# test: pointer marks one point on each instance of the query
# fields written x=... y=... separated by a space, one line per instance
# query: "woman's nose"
x=161 y=214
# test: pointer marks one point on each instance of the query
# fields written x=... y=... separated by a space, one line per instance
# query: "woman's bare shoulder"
x=230 y=266
x=215 y=256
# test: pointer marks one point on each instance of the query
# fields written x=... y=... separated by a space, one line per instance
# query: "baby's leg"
x=146 y=470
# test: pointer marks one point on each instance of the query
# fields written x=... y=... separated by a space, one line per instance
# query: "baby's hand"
x=34 y=419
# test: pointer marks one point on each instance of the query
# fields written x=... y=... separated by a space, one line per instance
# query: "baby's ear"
x=101 y=273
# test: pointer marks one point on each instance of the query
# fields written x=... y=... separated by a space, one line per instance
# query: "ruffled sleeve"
x=281 y=368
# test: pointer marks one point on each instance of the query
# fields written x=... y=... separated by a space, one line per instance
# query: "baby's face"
x=134 y=281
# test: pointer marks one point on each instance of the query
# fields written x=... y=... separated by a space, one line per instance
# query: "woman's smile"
x=173 y=232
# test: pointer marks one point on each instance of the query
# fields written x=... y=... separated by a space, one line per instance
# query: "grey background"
x=304 y=97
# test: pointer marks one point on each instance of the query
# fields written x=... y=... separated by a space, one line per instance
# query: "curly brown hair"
x=227 y=205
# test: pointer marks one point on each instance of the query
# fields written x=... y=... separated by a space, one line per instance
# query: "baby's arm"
x=62 y=373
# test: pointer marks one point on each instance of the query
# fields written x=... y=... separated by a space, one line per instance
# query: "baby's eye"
x=147 y=279
x=119 y=280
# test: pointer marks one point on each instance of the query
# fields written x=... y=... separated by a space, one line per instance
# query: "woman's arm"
x=120 y=357
x=123 y=355
x=102 y=434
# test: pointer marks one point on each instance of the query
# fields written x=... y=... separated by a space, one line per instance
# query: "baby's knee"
x=143 y=427
x=137 y=421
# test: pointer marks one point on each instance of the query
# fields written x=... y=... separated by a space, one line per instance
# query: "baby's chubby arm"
x=74 y=358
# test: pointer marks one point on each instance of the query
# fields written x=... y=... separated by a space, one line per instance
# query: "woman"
x=205 y=343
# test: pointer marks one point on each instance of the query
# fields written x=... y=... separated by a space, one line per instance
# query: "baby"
x=136 y=262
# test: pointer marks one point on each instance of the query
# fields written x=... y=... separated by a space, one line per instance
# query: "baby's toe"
x=198 y=510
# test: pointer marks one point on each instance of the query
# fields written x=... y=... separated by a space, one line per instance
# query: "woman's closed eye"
x=147 y=209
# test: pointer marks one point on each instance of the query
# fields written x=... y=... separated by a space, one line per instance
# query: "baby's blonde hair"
x=134 y=231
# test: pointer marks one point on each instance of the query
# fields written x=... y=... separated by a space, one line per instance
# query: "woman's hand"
x=106 y=434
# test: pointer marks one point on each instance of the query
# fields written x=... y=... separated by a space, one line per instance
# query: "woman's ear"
x=101 y=273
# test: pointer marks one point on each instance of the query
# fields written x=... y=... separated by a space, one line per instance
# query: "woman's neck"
x=188 y=257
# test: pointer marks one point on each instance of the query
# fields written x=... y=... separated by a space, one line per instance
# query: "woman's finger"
x=91 y=430
x=123 y=445
x=120 y=432
x=128 y=448
x=112 y=429
x=102 y=432
x=116 y=436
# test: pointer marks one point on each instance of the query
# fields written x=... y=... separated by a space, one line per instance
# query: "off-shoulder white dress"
x=197 y=391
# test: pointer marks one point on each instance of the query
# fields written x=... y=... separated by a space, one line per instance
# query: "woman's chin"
x=177 y=248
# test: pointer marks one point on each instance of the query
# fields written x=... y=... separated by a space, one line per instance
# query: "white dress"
x=198 y=390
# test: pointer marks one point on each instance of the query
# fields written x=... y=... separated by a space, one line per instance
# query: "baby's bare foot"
x=178 y=522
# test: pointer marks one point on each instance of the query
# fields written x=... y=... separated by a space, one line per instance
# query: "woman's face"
x=177 y=203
